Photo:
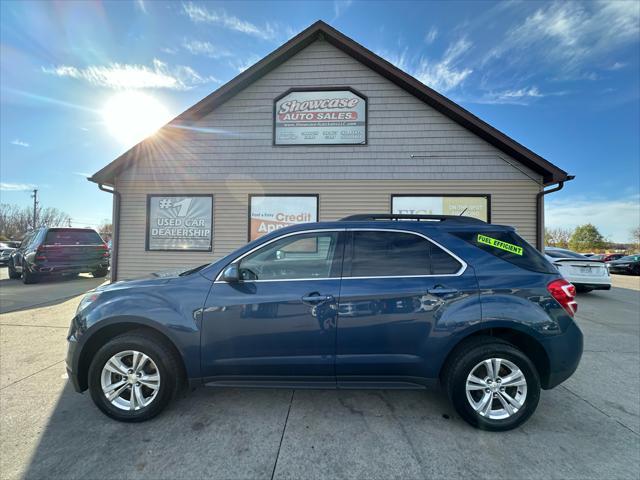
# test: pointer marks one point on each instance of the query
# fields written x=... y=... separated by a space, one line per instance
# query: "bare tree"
x=105 y=230
x=557 y=237
x=16 y=221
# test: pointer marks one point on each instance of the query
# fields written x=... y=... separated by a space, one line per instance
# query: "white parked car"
x=586 y=274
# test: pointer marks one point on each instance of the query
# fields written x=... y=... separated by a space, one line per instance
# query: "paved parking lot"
x=587 y=428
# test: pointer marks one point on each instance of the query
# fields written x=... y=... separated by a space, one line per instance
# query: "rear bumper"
x=564 y=353
x=593 y=286
x=87 y=267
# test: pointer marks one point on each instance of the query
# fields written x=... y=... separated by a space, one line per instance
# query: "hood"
x=153 y=279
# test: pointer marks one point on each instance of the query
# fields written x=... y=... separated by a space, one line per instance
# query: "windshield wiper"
x=193 y=270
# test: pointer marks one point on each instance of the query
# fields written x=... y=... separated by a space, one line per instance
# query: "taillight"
x=104 y=247
x=565 y=294
x=40 y=253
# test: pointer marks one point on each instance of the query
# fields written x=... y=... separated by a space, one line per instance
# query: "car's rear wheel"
x=27 y=276
x=101 y=272
x=492 y=385
x=132 y=378
x=13 y=273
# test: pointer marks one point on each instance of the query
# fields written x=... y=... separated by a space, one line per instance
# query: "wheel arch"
x=525 y=342
x=106 y=333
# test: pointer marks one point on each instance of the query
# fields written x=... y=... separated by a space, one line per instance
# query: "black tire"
x=160 y=354
x=28 y=277
x=13 y=273
x=464 y=361
x=101 y=272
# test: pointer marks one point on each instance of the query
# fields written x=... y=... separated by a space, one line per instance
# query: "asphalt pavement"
x=589 y=427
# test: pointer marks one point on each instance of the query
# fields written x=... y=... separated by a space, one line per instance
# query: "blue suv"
x=371 y=301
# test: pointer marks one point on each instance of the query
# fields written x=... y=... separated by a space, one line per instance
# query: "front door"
x=279 y=321
x=401 y=298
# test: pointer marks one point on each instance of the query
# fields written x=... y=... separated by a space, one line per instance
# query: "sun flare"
x=132 y=116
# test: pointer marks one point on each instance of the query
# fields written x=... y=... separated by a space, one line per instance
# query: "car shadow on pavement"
x=15 y=296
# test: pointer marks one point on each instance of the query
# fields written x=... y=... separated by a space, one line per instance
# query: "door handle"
x=315 y=299
x=440 y=290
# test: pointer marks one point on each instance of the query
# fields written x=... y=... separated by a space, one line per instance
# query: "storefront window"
x=477 y=206
x=272 y=212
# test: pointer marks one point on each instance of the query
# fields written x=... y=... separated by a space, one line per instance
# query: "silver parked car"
x=585 y=273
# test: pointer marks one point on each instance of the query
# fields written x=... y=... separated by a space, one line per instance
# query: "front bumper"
x=564 y=353
x=627 y=269
x=71 y=360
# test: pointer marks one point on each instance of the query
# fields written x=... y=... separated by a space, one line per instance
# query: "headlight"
x=87 y=300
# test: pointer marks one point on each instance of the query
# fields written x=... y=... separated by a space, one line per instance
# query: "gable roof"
x=549 y=172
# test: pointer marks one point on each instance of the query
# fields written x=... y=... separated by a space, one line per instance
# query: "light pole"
x=34 y=195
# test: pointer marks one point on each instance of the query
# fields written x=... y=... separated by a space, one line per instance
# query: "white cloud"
x=201 y=14
x=141 y=6
x=617 y=66
x=340 y=6
x=16 y=187
x=242 y=65
x=197 y=47
x=124 y=76
x=20 y=143
x=614 y=218
x=519 y=96
x=400 y=60
x=572 y=34
x=446 y=74
x=82 y=174
x=431 y=35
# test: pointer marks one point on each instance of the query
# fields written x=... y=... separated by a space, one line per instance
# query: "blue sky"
x=562 y=78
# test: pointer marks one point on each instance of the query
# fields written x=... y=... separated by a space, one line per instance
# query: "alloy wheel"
x=496 y=388
x=130 y=380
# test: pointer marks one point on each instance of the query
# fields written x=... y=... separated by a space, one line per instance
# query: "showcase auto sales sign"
x=320 y=117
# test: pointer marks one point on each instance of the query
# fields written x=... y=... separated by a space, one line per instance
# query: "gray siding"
x=236 y=138
x=512 y=203
x=232 y=156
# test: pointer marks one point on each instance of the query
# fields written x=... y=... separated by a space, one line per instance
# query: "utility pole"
x=34 y=195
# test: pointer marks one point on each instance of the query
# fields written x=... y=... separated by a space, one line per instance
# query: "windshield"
x=630 y=258
x=558 y=253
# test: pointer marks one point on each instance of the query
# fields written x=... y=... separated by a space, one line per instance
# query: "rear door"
x=402 y=296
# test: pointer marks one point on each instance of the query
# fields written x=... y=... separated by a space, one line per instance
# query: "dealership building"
x=319 y=129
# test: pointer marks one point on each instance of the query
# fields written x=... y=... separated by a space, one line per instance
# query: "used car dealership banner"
x=320 y=117
x=473 y=206
x=269 y=213
x=177 y=222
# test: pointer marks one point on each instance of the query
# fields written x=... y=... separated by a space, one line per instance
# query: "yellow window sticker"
x=494 y=242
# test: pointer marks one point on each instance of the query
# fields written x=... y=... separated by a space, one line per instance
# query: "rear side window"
x=509 y=246
x=381 y=254
x=72 y=237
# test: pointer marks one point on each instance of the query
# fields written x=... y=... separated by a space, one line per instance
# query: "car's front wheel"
x=492 y=385
x=133 y=377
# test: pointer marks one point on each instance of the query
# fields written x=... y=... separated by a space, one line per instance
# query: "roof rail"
x=393 y=216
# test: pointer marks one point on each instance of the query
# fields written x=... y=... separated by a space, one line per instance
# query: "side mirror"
x=231 y=274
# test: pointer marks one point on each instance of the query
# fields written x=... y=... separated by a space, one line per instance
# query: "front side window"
x=398 y=254
x=309 y=255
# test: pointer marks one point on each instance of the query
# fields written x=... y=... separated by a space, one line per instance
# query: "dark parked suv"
x=49 y=251
x=372 y=301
